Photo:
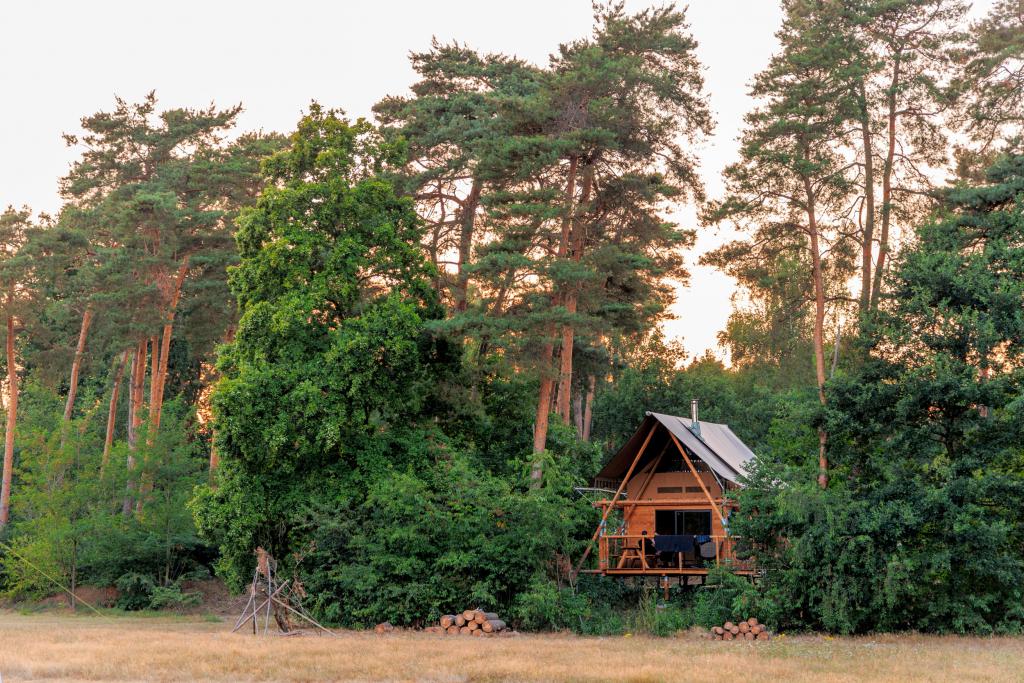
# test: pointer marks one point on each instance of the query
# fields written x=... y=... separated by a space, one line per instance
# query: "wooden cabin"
x=667 y=515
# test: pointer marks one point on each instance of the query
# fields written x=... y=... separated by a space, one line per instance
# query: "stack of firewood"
x=472 y=622
x=750 y=629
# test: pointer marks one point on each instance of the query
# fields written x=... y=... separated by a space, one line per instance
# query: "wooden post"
x=699 y=480
x=608 y=508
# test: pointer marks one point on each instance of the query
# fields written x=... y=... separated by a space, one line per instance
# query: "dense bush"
x=921 y=526
x=69 y=527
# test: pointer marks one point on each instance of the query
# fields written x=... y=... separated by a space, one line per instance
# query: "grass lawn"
x=57 y=646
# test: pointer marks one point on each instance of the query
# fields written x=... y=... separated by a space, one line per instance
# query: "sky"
x=60 y=61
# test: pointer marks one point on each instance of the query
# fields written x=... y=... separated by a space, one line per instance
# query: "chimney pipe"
x=695 y=424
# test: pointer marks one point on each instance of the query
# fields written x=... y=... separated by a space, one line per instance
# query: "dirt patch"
x=97 y=596
x=215 y=598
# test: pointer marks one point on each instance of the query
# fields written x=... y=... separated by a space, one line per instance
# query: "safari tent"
x=668 y=514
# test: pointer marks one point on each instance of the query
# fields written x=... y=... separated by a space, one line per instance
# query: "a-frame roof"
x=717 y=446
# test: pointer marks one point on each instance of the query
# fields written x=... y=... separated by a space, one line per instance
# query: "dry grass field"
x=53 y=646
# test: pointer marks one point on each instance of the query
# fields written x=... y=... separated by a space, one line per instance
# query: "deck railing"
x=624 y=552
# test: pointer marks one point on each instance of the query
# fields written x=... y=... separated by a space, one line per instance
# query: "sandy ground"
x=55 y=646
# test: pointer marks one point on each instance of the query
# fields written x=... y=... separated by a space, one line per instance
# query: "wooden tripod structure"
x=269 y=597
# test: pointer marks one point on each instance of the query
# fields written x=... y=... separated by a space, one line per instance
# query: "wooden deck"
x=621 y=555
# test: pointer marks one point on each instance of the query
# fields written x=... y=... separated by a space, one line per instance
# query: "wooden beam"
x=700 y=481
x=697 y=501
x=608 y=509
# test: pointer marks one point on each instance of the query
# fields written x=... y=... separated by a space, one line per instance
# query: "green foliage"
x=331 y=459
x=140 y=592
x=401 y=292
x=134 y=591
x=728 y=597
x=434 y=537
x=68 y=526
x=544 y=605
x=920 y=527
x=654 y=378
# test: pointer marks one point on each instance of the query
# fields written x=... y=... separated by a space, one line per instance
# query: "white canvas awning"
x=717 y=446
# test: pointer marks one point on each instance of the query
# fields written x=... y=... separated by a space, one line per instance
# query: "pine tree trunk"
x=588 y=410
x=819 y=324
x=165 y=346
x=577 y=412
x=76 y=365
x=140 y=386
x=571 y=301
x=540 y=425
x=135 y=403
x=154 y=385
x=887 y=171
x=466 y=244
x=108 y=440
x=868 y=233
x=12 y=420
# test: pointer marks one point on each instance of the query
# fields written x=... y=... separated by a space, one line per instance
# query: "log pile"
x=750 y=629
x=472 y=622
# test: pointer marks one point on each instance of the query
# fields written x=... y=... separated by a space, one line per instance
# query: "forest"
x=391 y=350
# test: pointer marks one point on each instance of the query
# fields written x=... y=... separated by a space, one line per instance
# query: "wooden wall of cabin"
x=677 y=490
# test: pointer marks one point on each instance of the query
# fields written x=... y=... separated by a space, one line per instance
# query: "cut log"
x=735 y=630
x=465 y=630
x=460 y=620
x=752 y=621
x=749 y=636
x=718 y=630
x=477 y=632
x=728 y=635
x=473 y=626
x=744 y=627
x=447 y=620
x=728 y=625
x=763 y=635
x=468 y=615
x=481 y=617
x=493 y=625
x=452 y=630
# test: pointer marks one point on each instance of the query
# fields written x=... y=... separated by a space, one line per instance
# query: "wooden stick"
x=250 y=601
x=256 y=611
x=306 y=617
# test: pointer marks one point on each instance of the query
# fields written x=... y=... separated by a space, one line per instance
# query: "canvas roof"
x=717 y=446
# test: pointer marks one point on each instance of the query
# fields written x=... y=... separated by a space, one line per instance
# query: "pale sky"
x=60 y=61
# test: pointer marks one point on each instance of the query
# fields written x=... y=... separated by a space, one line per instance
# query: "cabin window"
x=672 y=522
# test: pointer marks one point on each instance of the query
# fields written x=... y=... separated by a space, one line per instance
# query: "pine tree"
x=156 y=195
x=992 y=77
x=16 y=228
x=792 y=179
